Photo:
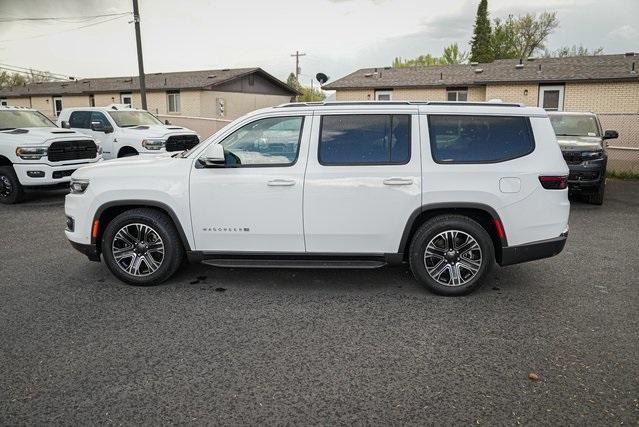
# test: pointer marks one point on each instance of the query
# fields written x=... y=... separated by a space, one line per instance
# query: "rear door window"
x=364 y=139
x=479 y=139
x=80 y=119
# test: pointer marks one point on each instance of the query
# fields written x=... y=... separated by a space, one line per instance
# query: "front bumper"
x=89 y=250
x=533 y=251
x=41 y=174
x=587 y=175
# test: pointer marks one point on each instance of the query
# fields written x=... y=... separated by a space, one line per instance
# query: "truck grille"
x=61 y=151
x=181 y=142
x=572 y=157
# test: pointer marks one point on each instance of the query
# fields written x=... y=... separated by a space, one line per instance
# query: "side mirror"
x=65 y=125
x=99 y=127
x=611 y=134
x=213 y=157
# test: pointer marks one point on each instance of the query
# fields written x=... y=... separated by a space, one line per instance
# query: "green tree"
x=574 y=50
x=518 y=37
x=292 y=81
x=12 y=79
x=480 y=45
x=503 y=39
x=427 y=59
x=310 y=95
x=452 y=55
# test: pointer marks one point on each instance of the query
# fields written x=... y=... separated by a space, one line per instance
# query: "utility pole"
x=138 y=42
x=297 y=55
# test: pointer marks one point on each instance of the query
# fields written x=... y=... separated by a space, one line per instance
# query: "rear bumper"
x=533 y=251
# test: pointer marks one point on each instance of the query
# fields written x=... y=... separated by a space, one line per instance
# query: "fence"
x=204 y=126
x=623 y=153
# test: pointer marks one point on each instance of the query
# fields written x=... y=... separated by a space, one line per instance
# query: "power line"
x=65 y=18
x=65 y=31
x=24 y=70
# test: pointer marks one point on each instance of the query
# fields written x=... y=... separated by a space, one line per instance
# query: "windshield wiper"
x=6 y=128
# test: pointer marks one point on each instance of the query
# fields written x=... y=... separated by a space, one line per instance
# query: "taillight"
x=554 y=182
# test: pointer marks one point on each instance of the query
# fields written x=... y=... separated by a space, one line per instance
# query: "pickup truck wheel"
x=451 y=254
x=597 y=197
x=142 y=247
x=10 y=188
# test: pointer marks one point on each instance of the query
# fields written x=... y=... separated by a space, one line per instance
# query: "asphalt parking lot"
x=320 y=347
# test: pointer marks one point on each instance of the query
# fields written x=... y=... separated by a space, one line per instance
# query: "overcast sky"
x=338 y=36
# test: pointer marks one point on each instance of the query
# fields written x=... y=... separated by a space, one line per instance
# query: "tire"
x=597 y=197
x=153 y=267
x=11 y=190
x=454 y=277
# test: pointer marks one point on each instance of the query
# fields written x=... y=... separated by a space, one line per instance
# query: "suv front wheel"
x=451 y=254
x=10 y=189
x=142 y=247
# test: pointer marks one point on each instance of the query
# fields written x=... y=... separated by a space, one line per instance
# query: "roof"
x=405 y=107
x=578 y=68
x=202 y=79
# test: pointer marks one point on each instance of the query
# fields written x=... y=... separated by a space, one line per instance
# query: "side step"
x=293 y=263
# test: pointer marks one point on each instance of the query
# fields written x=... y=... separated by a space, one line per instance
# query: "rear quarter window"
x=479 y=139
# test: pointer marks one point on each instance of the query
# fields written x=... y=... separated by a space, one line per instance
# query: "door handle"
x=398 y=181
x=281 y=182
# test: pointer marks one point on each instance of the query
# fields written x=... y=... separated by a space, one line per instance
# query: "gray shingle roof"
x=602 y=67
x=203 y=79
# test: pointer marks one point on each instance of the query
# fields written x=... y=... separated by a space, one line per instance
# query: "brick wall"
x=19 y=102
x=514 y=93
x=614 y=97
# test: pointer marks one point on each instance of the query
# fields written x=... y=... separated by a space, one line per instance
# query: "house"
x=202 y=100
x=604 y=84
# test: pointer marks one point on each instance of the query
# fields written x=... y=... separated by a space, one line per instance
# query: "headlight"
x=78 y=186
x=153 y=144
x=31 y=153
x=591 y=155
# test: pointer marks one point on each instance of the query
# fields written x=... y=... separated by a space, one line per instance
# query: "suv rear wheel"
x=142 y=247
x=451 y=254
x=10 y=189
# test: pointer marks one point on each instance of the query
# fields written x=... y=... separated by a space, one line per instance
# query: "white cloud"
x=625 y=32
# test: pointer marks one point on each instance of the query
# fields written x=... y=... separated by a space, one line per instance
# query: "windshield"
x=574 y=125
x=125 y=119
x=11 y=119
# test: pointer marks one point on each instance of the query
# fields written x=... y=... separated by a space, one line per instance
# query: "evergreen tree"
x=480 y=45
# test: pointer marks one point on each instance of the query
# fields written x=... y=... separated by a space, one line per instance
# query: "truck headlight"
x=31 y=153
x=153 y=144
x=591 y=155
x=78 y=186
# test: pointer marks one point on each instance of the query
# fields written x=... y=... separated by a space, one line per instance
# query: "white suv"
x=36 y=153
x=447 y=187
x=124 y=131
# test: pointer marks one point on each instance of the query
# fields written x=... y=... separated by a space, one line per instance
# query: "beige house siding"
x=237 y=104
x=19 y=102
x=44 y=104
x=609 y=97
x=514 y=93
x=354 y=95
x=475 y=93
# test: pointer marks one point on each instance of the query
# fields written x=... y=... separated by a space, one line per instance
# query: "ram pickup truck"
x=36 y=153
x=582 y=144
x=124 y=131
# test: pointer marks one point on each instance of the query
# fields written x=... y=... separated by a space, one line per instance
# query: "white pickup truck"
x=36 y=153
x=124 y=131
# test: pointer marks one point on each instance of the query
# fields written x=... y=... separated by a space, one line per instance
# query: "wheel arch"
x=127 y=149
x=108 y=211
x=485 y=215
x=4 y=161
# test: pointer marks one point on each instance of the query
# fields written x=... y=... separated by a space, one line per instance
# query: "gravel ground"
x=218 y=346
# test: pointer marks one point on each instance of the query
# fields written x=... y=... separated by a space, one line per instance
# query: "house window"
x=126 y=98
x=3 y=102
x=383 y=95
x=91 y=100
x=551 y=97
x=173 y=101
x=57 y=105
x=457 y=94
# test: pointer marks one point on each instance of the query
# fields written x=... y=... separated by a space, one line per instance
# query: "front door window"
x=57 y=105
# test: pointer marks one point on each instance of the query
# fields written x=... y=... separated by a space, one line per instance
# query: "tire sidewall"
x=171 y=252
x=16 y=192
x=432 y=228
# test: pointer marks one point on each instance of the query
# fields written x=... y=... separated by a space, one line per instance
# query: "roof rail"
x=450 y=103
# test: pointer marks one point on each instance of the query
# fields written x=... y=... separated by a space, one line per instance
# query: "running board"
x=293 y=263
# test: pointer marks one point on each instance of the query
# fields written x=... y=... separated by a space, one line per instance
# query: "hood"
x=40 y=135
x=156 y=131
x=132 y=163
x=580 y=143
